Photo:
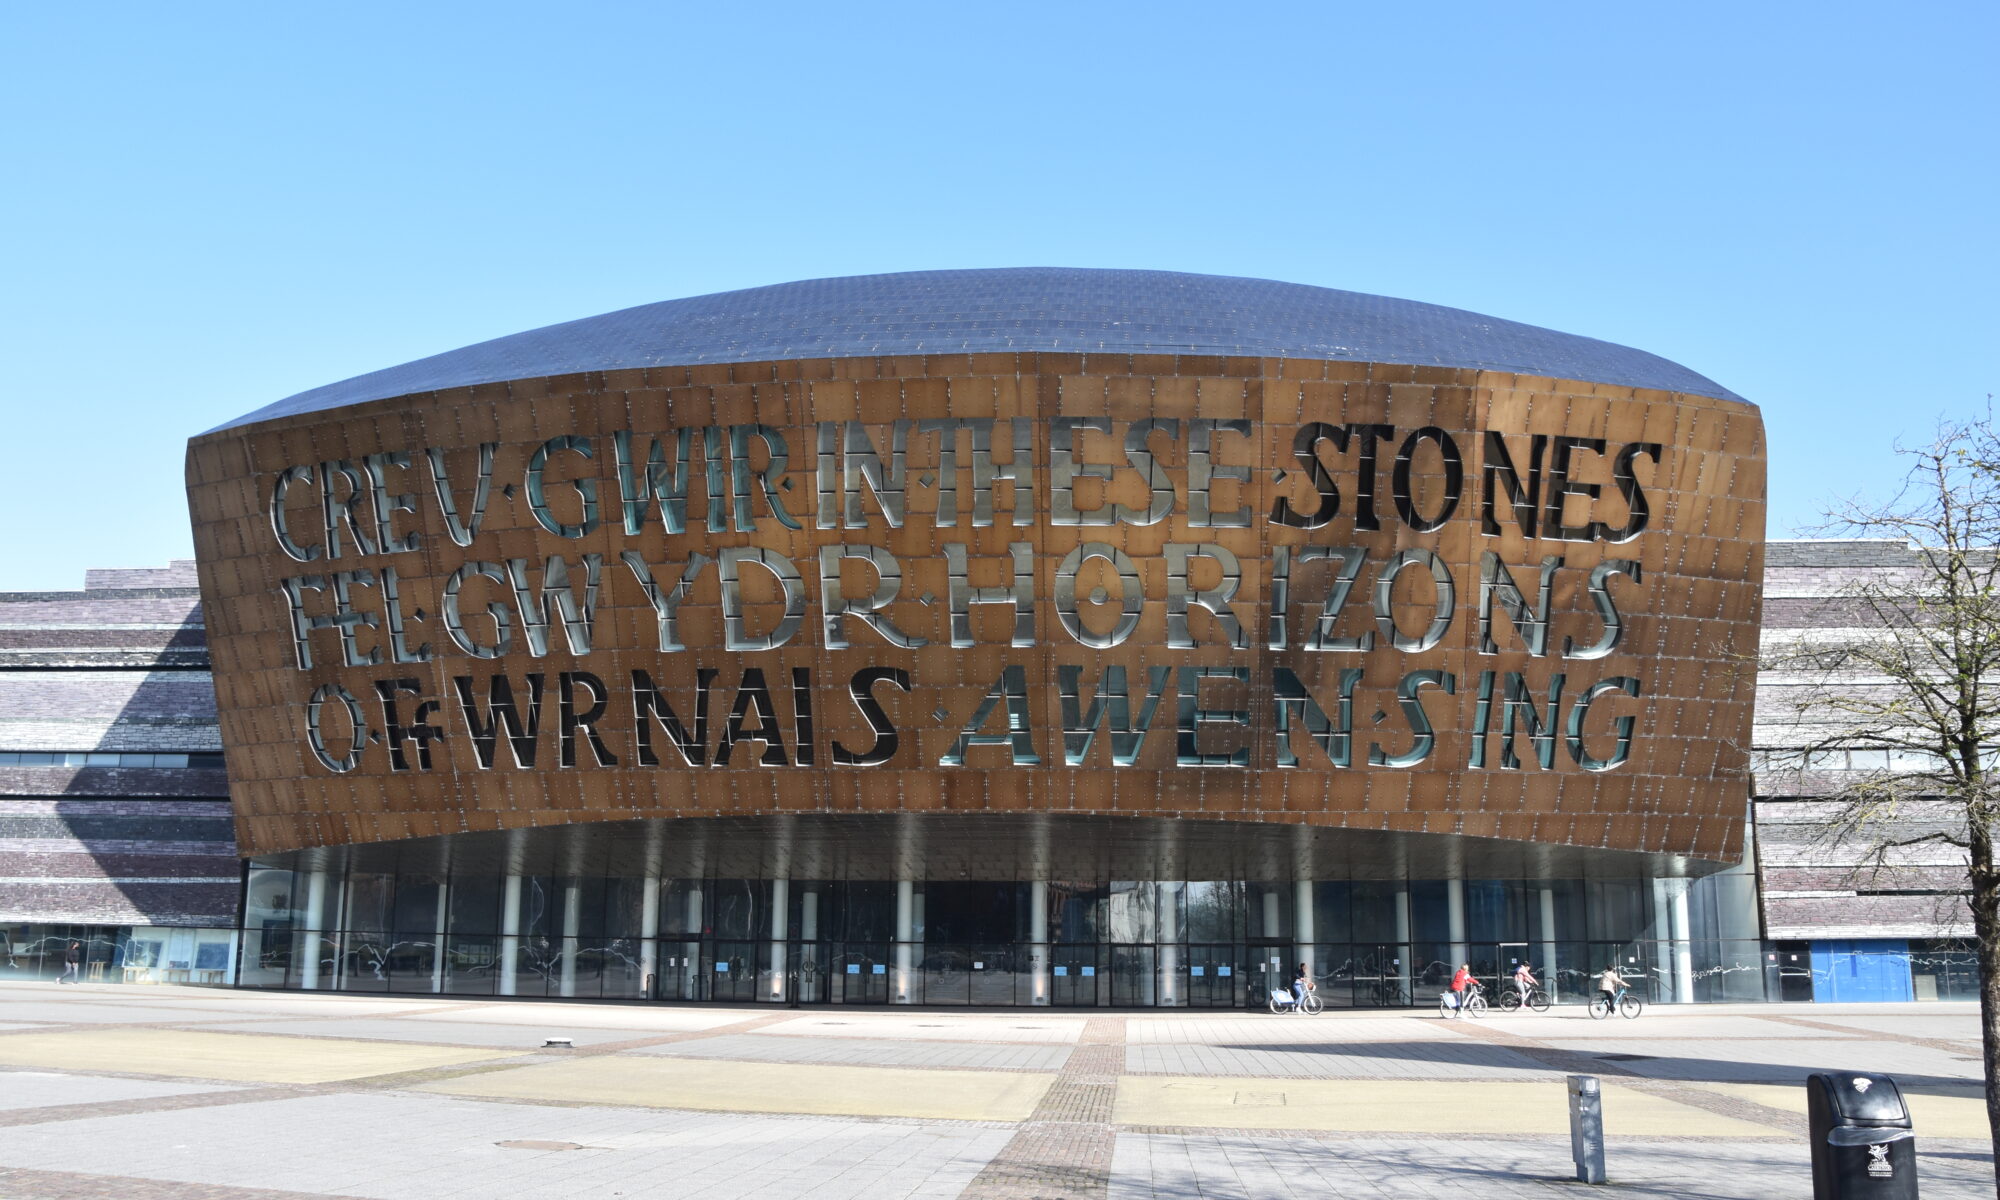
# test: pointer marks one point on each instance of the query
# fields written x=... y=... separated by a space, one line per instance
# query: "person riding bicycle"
x=1611 y=985
x=1525 y=982
x=1301 y=984
x=1461 y=982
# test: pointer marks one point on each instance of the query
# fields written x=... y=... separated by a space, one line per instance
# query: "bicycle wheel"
x=1600 y=1008
x=1630 y=1006
x=1313 y=1005
x=1277 y=1008
x=1538 y=1000
x=1445 y=1009
x=1509 y=1001
x=1476 y=1006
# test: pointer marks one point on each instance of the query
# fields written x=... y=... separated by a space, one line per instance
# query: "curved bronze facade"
x=1409 y=599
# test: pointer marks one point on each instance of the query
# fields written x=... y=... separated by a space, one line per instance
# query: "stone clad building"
x=1841 y=927
x=115 y=825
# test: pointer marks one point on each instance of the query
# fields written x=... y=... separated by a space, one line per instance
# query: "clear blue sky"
x=210 y=206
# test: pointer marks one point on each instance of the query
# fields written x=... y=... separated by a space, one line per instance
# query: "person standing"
x=72 y=964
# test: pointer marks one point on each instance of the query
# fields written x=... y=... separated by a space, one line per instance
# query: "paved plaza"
x=149 y=1093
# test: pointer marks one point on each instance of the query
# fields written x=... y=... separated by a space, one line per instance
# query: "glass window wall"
x=1136 y=943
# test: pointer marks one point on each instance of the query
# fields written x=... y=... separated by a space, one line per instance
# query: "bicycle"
x=1510 y=1000
x=1628 y=1005
x=1282 y=1001
x=1474 y=1003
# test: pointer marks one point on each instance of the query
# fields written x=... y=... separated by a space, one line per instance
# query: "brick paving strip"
x=1063 y=1150
x=1948 y=1045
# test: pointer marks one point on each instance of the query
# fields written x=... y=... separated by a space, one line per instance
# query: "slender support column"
x=1662 y=956
x=346 y=909
x=309 y=940
x=1170 y=945
x=1546 y=969
x=1273 y=916
x=1038 y=937
x=809 y=956
x=437 y=948
x=906 y=903
x=1406 y=968
x=510 y=936
x=1454 y=898
x=691 y=967
x=1305 y=926
x=572 y=925
x=781 y=916
x=1677 y=895
x=649 y=936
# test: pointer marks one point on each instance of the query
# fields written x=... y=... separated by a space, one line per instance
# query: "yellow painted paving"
x=1958 y=1112
x=1403 y=1106
x=726 y=1086
x=235 y=1057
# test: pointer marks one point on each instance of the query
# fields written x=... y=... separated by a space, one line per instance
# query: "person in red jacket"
x=1461 y=982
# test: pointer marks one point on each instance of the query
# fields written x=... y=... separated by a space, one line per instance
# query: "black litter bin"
x=1862 y=1144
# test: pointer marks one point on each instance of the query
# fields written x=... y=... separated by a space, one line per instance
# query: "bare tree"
x=1908 y=662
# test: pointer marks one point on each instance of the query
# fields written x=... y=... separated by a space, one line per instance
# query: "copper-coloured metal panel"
x=1364 y=596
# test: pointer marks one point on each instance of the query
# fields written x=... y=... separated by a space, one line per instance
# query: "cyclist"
x=1301 y=984
x=1524 y=981
x=1611 y=985
x=1461 y=981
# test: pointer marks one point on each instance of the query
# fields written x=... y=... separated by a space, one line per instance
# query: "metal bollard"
x=1586 y=1128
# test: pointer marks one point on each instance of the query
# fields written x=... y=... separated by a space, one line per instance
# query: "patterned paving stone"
x=879 y=1052
x=1775 y=1061
x=1163 y=1167
x=241 y=1057
x=1954 y=1027
x=41 y=1089
x=1358 y=1060
x=443 y=1033
x=1576 y=1023
x=1264 y=1028
x=1382 y=1104
x=930 y=1026
x=762 y=1087
x=1064 y=1149
x=1408 y=1106
x=405 y=1147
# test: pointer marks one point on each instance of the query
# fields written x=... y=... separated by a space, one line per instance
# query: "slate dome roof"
x=1016 y=309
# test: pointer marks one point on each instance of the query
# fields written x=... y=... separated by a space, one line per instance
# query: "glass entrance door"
x=1506 y=957
x=680 y=974
x=1268 y=971
x=1132 y=977
x=807 y=984
x=1073 y=971
x=1381 y=976
x=734 y=976
x=859 y=973
x=1213 y=980
x=945 y=974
